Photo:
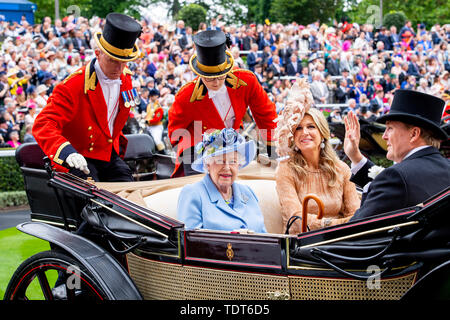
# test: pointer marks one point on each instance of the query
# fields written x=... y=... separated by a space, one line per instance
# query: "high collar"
x=102 y=77
x=420 y=152
x=214 y=93
x=213 y=192
x=215 y=197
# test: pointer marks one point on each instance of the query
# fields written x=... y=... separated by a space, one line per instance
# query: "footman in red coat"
x=218 y=98
x=81 y=126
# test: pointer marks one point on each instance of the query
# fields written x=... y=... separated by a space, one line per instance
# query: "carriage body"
x=390 y=256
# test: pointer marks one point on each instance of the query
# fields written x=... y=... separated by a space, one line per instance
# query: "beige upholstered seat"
x=166 y=201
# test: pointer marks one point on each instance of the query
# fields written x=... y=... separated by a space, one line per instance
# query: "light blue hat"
x=220 y=142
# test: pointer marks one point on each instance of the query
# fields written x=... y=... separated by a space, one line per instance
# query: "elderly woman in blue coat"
x=217 y=202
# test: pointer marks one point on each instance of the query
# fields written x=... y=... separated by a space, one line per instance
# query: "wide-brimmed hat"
x=118 y=39
x=444 y=74
x=419 y=109
x=41 y=88
x=221 y=142
x=12 y=72
x=313 y=57
x=211 y=58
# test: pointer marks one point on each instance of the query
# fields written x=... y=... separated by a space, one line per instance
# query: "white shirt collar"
x=102 y=77
x=414 y=151
x=221 y=91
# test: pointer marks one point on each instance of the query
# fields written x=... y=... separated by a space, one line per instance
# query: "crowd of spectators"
x=349 y=67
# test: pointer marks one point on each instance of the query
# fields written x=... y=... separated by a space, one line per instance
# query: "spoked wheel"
x=52 y=275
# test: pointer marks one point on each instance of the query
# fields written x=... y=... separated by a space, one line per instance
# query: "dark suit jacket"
x=275 y=71
x=151 y=69
x=387 y=86
x=180 y=31
x=290 y=71
x=236 y=41
x=158 y=37
x=285 y=56
x=394 y=38
x=341 y=95
x=79 y=42
x=386 y=41
x=251 y=60
x=183 y=41
x=405 y=184
x=375 y=104
x=402 y=77
x=142 y=107
x=413 y=69
x=247 y=43
x=333 y=67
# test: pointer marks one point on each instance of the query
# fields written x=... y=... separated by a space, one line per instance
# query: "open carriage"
x=123 y=241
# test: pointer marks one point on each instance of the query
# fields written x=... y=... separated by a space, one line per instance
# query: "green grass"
x=15 y=247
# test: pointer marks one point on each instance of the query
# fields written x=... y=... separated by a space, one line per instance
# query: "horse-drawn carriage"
x=123 y=241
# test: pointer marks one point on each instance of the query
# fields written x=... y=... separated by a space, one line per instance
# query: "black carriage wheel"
x=70 y=281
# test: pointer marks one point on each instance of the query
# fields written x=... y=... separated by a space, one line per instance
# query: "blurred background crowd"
x=349 y=66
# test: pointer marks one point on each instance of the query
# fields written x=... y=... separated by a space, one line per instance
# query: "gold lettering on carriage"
x=197 y=310
x=230 y=252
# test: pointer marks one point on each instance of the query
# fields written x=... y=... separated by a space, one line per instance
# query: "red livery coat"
x=75 y=119
x=193 y=112
x=155 y=113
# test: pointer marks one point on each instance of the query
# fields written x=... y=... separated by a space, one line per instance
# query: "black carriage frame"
x=98 y=228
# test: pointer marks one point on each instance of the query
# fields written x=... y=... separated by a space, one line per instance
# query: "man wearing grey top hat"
x=413 y=136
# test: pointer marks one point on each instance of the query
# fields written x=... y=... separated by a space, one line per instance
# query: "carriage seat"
x=165 y=202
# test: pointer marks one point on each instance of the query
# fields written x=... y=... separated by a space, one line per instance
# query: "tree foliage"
x=46 y=8
x=304 y=11
x=192 y=15
x=256 y=11
x=397 y=19
x=418 y=11
x=103 y=7
x=87 y=8
x=10 y=175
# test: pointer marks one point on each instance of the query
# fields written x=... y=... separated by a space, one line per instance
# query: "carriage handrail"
x=65 y=187
x=387 y=264
x=359 y=259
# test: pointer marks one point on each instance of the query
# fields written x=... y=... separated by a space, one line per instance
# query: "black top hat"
x=211 y=59
x=419 y=109
x=154 y=92
x=118 y=39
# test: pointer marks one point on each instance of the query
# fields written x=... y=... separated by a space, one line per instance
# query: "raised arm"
x=352 y=138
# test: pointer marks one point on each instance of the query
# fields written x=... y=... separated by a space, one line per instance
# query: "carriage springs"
x=228 y=309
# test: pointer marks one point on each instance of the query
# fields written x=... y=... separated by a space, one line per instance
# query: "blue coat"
x=200 y=205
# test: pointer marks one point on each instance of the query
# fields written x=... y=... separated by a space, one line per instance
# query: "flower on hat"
x=299 y=101
x=216 y=141
x=220 y=142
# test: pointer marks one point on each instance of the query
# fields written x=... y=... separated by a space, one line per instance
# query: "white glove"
x=77 y=161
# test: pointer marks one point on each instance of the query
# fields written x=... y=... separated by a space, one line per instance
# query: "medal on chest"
x=137 y=99
x=126 y=99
